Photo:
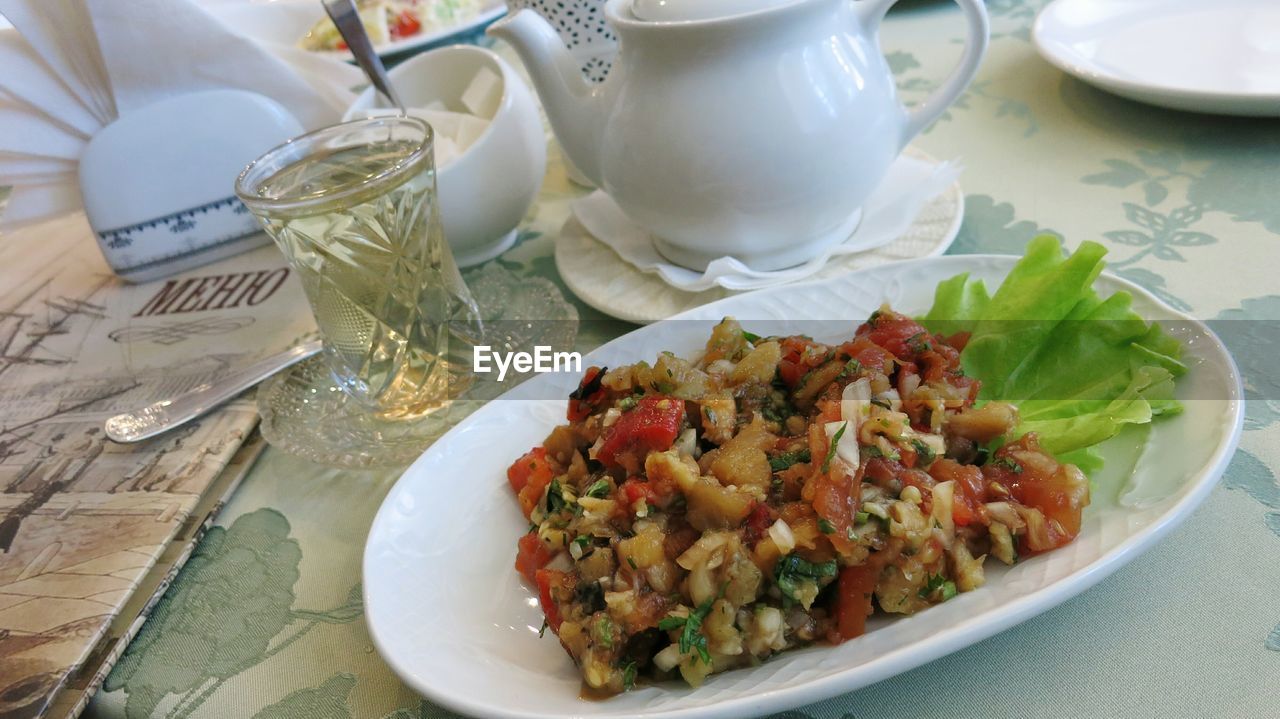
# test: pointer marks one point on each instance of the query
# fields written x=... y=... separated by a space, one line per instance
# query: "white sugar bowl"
x=491 y=150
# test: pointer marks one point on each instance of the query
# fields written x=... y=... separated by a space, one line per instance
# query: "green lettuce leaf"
x=1079 y=367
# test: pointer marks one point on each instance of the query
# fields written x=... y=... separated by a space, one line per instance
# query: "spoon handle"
x=173 y=412
x=351 y=27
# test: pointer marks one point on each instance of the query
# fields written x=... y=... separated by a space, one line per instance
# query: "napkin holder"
x=158 y=183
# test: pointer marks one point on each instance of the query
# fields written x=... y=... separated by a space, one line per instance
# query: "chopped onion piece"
x=668 y=658
x=943 y=497
x=782 y=536
x=687 y=443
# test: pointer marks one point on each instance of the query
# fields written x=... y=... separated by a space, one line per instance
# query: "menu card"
x=86 y=524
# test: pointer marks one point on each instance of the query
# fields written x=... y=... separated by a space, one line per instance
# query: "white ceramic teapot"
x=750 y=128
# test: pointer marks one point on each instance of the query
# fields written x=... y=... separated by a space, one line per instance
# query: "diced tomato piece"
x=828 y=410
x=940 y=361
x=882 y=470
x=550 y=581
x=533 y=555
x=868 y=354
x=799 y=355
x=529 y=476
x=636 y=489
x=836 y=497
x=522 y=469
x=406 y=24
x=899 y=334
x=652 y=425
x=1035 y=479
x=758 y=522
x=854 y=588
x=588 y=396
x=970 y=489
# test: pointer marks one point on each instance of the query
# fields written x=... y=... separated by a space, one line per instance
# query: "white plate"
x=1218 y=56
x=605 y=281
x=453 y=620
x=285 y=22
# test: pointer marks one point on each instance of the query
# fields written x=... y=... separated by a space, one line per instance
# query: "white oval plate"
x=454 y=621
x=1219 y=57
x=285 y=22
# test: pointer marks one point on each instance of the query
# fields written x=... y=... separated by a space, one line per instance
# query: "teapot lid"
x=688 y=10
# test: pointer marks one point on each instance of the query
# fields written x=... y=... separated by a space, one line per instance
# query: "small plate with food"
x=395 y=27
x=726 y=517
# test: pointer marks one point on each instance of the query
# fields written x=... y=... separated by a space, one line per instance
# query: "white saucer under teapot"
x=747 y=128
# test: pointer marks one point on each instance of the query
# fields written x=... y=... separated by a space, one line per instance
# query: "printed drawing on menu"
x=82 y=518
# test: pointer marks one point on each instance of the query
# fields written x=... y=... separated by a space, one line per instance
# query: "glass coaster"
x=306 y=414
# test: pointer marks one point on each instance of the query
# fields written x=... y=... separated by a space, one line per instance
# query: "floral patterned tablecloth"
x=266 y=620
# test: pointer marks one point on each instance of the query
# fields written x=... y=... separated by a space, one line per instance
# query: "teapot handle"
x=871 y=12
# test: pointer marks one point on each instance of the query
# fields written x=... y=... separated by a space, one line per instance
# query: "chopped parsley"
x=628 y=676
x=691 y=636
x=924 y=453
x=776 y=412
x=826 y=527
x=598 y=489
x=873 y=451
x=919 y=343
x=786 y=459
x=582 y=540
x=750 y=337
x=831 y=451
x=1009 y=464
x=792 y=572
x=941 y=586
x=604 y=632
x=882 y=403
x=631 y=561
x=543 y=629
x=555 y=497
x=851 y=367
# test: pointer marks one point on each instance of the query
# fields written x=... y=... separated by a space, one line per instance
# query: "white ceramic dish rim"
x=1072 y=63
x=394 y=48
x=947 y=640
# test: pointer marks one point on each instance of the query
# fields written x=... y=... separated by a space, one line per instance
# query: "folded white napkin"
x=73 y=66
x=889 y=212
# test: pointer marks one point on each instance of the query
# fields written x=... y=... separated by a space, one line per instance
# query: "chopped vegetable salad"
x=695 y=516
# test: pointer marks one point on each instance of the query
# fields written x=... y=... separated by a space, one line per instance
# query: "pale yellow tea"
x=372 y=259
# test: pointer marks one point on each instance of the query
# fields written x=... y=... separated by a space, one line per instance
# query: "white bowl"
x=486 y=191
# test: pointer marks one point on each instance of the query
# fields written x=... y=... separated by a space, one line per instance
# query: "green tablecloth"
x=266 y=621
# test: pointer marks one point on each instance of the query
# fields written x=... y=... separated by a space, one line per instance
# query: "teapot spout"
x=575 y=108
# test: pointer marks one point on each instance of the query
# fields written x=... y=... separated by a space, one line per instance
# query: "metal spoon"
x=168 y=413
x=347 y=19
